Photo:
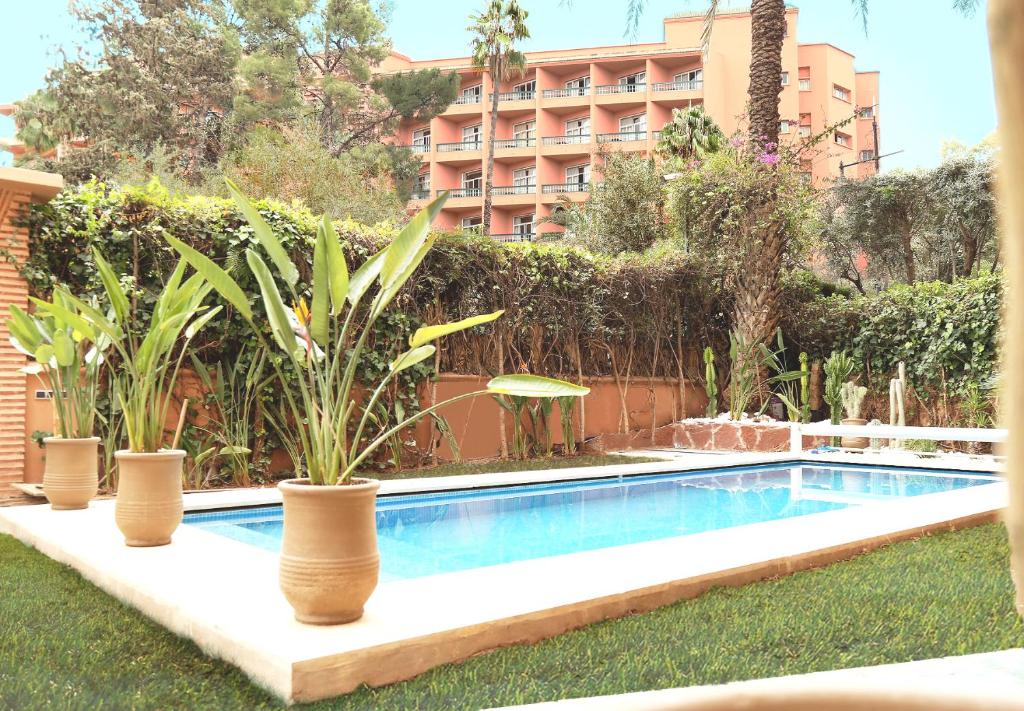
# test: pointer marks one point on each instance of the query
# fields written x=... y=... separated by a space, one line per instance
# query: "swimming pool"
x=444 y=532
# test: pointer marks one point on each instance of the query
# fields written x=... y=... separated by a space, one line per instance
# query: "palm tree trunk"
x=1006 y=33
x=489 y=178
x=767 y=30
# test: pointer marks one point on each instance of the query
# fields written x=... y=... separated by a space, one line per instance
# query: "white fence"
x=798 y=431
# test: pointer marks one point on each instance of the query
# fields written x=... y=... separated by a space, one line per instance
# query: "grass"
x=65 y=644
x=512 y=465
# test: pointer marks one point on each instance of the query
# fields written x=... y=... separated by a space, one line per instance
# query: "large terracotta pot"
x=855 y=442
x=149 y=505
x=329 y=559
x=69 y=476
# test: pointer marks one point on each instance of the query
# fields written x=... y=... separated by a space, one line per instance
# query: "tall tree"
x=496 y=31
x=690 y=135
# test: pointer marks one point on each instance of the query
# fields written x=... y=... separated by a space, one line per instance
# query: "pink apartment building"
x=569 y=103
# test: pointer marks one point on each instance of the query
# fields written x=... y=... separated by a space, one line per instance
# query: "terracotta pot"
x=329 y=559
x=855 y=442
x=149 y=505
x=69 y=476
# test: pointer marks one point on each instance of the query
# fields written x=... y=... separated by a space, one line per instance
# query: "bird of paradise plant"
x=323 y=339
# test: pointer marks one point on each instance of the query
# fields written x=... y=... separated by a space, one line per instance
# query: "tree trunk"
x=489 y=178
x=767 y=30
x=907 y=243
x=1006 y=34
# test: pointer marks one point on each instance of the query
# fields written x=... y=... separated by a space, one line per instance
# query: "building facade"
x=571 y=104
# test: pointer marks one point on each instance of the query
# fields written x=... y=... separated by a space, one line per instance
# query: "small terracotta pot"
x=149 y=505
x=69 y=476
x=855 y=442
x=329 y=560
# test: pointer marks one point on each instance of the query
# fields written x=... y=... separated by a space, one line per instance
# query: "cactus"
x=837 y=369
x=853 y=397
x=805 y=389
x=710 y=383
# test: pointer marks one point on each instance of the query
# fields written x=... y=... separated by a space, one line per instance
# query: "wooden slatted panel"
x=13 y=290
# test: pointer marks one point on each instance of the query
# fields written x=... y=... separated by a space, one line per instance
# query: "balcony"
x=460 y=146
x=522 y=189
x=622 y=137
x=565 y=93
x=417 y=147
x=513 y=236
x=462 y=100
x=419 y=194
x=514 y=143
x=556 y=188
x=515 y=96
x=695 y=85
x=605 y=89
x=570 y=140
x=465 y=193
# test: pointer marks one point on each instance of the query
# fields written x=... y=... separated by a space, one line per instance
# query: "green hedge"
x=567 y=311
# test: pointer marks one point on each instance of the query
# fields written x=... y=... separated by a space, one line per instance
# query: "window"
x=633 y=124
x=840 y=92
x=784 y=126
x=578 y=86
x=471 y=95
x=525 y=131
x=524 y=180
x=866 y=112
x=805 y=85
x=805 y=132
x=785 y=78
x=473 y=224
x=472 y=182
x=577 y=174
x=522 y=225
x=578 y=126
x=472 y=134
x=693 y=78
x=842 y=139
x=633 y=82
x=526 y=90
x=805 y=78
x=423 y=183
x=421 y=140
x=867 y=155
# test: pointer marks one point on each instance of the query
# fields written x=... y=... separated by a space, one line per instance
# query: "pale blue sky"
x=936 y=79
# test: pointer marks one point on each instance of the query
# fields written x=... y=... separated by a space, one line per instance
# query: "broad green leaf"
x=230 y=449
x=218 y=278
x=272 y=303
x=406 y=246
x=387 y=294
x=426 y=334
x=321 y=307
x=196 y=326
x=118 y=299
x=364 y=276
x=96 y=318
x=44 y=354
x=63 y=348
x=64 y=315
x=411 y=358
x=23 y=328
x=265 y=235
x=534 y=386
x=336 y=265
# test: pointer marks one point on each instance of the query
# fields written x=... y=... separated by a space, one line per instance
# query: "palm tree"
x=497 y=30
x=691 y=134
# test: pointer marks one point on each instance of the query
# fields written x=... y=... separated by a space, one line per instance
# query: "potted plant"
x=329 y=562
x=149 y=505
x=853 y=397
x=68 y=356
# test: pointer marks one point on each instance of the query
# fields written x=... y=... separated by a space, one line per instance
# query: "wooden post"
x=1006 y=37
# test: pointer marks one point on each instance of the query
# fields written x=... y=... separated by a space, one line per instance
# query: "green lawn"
x=65 y=644
x=497 y=466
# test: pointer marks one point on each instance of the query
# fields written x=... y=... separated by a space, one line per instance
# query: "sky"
x=936 y=79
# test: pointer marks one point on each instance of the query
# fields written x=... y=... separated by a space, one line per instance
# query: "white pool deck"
x=223 y=594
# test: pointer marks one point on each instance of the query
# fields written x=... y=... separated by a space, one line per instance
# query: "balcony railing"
x=420 y=195
x=692 y=85
x=467 y=99
x=622 y=89
x=572 y=139
x=418 y=147
x=465 y=192
x=460 y=146
x=515 y=96
x=563 y=93
x=513 y=236
x=566 y=188
x=522 y=189
x=656 y=135
x=622 y=136
x=515 y=143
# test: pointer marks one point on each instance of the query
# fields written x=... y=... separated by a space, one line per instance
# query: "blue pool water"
x=427 y=534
